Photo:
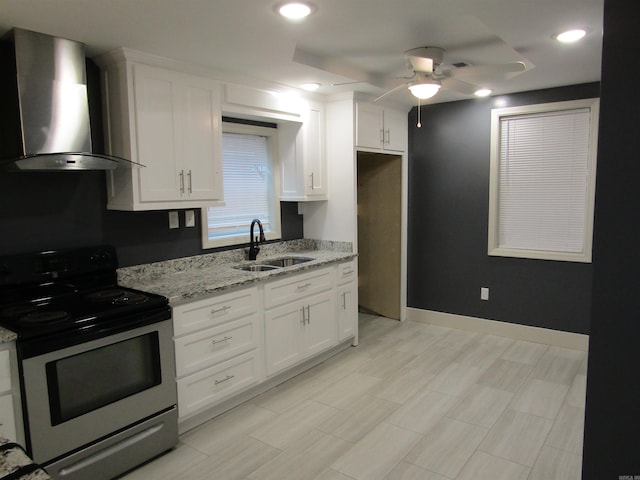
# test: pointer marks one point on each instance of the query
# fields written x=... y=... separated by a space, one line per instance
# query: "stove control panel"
x=52 y=265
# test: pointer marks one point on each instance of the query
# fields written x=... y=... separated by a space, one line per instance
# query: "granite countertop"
x=7 y=336
x=14 y=462
x=188 y=279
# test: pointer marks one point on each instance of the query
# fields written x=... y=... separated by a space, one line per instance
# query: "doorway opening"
x=379 y=233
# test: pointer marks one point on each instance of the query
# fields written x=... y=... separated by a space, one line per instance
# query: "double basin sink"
x=273 y=264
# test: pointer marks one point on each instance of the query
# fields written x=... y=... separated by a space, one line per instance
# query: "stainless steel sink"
x=286 y=261
x=273 y=264
x=256 y=267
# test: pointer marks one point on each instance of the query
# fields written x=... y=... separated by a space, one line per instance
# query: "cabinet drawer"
x=208 y=347
x=210 y=386
x=347 y=272
x=5 y=371
x=214 y=311
x=7 y=418
x=298 y=286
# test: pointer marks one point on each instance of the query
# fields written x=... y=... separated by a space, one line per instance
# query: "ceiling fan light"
x=483 y=92
x=571 y=36
x=424 y=90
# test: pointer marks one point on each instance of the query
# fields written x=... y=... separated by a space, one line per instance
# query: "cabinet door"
x=321 y=328
x=291 y=165
x=7 y=418
x=282 y=330
x=395 y=130
x=314 y=158
x=347 y=310
x=201 y=139
x=157 y=123
x=369 y=126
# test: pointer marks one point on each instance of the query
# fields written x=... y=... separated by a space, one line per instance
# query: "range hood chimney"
x=44 y=108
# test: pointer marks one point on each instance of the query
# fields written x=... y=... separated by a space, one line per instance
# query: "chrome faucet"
x=253 y=243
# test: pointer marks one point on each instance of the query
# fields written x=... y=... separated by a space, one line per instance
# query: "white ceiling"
x=344 y=40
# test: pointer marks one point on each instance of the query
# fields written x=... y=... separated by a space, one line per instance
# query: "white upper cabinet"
x=170 y=122
x=301 y=136
x=380 y=128
x=302 y=156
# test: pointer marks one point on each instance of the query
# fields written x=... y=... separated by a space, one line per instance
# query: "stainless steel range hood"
x=44 y=108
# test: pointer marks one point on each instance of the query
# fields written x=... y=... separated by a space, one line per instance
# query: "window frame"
x=273 y=188
x=494 y=249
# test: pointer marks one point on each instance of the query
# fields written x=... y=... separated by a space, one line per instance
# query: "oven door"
x=79 y=394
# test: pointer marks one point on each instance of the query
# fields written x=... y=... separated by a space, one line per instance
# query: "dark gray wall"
x=448 y=218
x=612 y=424
x=47 y=210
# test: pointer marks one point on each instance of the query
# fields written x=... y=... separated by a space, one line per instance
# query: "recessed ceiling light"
x=571 y=36
x=483 y=92
x=311 y=86
x=295 y=10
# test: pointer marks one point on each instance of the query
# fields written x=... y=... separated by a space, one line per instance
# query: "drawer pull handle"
x=222 y=310
x=221 y=340
x=181 y=175
x=304 y=285
x=227 y=378
x=347 y=272
x=306 y=315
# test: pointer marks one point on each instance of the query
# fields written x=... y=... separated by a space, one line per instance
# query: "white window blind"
x=248 y=190
x=542 y=190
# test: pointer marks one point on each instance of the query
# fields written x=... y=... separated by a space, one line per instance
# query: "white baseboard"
x=575 y=341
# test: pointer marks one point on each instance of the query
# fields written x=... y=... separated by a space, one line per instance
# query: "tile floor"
x=413 y=401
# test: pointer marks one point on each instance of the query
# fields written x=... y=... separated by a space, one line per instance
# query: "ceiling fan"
x=430 y=74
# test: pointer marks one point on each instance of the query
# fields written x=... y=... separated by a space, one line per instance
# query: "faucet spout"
x=254 y=241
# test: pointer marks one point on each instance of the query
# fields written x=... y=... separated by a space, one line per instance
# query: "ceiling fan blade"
x=403 y=85
x=458 y=86
x=486 y=70
x=425 y=59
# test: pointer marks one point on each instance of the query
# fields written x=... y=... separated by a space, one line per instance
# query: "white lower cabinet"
x=218 y=345
x=347 y=280
x=300 y=318
x=10 y=411
x=7 y=417
x=212 y=385
x=299 y=329
x=229 y=343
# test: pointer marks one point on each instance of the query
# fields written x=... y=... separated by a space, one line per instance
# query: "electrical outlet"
x=484 y=293
x=189 y=218
x=174 y=220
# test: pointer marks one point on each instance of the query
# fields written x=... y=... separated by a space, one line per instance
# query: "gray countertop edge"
x=7 y=336
x=198 y=283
